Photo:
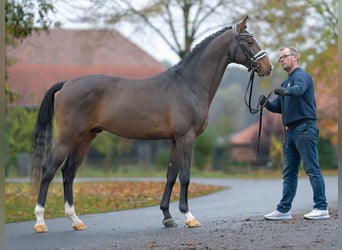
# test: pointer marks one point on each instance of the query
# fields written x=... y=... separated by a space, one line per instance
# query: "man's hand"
x=263 y=101
x=281 y=91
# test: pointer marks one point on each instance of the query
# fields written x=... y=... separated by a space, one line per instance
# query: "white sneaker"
x=317 y=214
x=276 y=215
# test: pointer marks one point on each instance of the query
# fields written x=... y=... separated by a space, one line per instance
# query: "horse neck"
x=203 y=72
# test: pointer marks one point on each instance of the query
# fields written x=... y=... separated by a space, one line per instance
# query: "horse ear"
x=241 y=26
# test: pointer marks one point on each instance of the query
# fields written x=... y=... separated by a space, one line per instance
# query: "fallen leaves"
x=92 y=197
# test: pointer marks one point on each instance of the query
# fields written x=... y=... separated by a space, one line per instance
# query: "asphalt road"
x=142 y=228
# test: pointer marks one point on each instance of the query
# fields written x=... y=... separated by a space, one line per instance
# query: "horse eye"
x=250 y=41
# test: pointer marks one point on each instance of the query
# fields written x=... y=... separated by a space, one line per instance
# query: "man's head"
x=288 y=59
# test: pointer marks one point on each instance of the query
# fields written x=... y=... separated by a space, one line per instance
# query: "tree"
x=325 y=74
x=27 y=16
x=179 y=23
x=21 y=19
x=309 y=25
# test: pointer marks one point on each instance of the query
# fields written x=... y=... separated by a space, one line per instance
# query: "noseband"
x=252 y=58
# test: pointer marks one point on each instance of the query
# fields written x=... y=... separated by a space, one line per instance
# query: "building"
x=43 y=59
x=243 y=145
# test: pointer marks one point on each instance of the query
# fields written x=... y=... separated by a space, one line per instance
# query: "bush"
x=237 y=167
x=276 y=152
x=203 y=150
x=162 y=158
x=326 y=152
x=20 y=122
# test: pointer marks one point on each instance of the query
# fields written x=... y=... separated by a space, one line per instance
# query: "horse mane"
x=199 y=47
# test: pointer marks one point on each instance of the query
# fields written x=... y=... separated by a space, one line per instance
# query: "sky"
x=151 y=43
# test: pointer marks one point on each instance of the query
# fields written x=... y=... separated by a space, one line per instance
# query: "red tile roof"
x=248 y=136
x=46 y=58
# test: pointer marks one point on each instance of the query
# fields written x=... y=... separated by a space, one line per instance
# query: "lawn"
x=92 y=197
x=106 y=196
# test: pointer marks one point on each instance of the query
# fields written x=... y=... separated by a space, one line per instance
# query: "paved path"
x=142 y=228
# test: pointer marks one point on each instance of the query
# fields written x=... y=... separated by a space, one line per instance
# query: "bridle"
x=253 y=59
x=252 y=68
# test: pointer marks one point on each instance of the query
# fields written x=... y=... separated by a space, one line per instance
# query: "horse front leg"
x=184 y=178
x=185 y=147
x=172 y=173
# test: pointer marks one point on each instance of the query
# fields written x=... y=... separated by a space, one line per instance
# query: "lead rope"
x=259 y=132
x=259 y=107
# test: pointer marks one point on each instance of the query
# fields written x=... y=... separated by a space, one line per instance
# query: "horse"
x=172 y=105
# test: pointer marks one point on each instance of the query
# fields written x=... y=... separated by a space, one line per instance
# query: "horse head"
x=247 y=51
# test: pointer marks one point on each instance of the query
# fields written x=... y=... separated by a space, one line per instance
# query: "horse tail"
x=42 y=140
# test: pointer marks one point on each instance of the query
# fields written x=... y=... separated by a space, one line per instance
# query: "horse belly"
x=137 y=125
x=138 y=130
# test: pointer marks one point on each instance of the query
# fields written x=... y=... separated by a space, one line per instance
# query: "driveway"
x=225 y=216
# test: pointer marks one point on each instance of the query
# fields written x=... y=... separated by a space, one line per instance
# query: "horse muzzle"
x=263 y=70
x=263 y=67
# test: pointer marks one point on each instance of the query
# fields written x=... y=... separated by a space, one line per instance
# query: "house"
x=44 y=59
x=243 y=145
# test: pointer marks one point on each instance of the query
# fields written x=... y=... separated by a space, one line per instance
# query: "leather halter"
x=252 y=58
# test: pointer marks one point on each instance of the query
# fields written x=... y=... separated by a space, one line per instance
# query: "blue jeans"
x=299 y=144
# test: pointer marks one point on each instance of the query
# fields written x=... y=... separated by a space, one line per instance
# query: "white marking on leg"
x=188 y=216
x=71 y=214
x=39 y=212
x=191 y=221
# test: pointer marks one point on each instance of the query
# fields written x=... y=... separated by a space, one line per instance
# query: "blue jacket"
x=299 y=104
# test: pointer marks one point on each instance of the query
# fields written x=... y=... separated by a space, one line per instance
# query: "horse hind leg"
x=69 y=170
x=50 y=167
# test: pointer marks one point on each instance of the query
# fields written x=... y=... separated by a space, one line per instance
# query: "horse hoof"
x=79 y=226
x=193 y=223
x=40 y=228
x=169 y=223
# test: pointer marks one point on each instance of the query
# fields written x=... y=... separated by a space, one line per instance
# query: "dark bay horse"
x=171 y=105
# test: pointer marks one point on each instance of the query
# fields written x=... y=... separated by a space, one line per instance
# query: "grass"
x=92 y=197
x=106 y=196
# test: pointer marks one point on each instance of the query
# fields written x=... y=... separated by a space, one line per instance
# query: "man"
x=296 y=102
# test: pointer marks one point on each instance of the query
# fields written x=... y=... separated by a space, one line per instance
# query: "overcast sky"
x=151 y=43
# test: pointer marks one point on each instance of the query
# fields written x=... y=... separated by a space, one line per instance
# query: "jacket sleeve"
x=274 y=105
x=300 y=85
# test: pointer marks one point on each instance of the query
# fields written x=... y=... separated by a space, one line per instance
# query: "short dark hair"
x=292 y=51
